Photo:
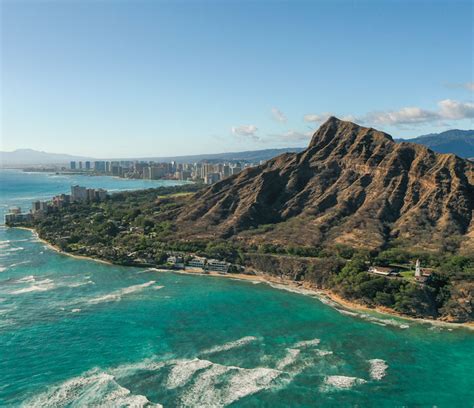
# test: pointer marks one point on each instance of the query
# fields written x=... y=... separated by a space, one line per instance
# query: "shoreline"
x=324 y=295
x=303 y=288
x=60 y=251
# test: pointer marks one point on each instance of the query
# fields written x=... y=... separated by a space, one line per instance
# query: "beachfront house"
x=197 y=262
x=218 y=266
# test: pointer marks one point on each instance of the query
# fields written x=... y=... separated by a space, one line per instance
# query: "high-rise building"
x=154 y=172
x=211 y=178
x=73 y=165
x=80 y=165
x=226 y=170
x=78 y=193
x=99 y=166
x=88 y=165
x=236 y=169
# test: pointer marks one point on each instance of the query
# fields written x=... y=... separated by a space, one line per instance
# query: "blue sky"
x=139 y=78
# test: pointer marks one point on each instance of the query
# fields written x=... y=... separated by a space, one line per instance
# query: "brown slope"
x=352 y=185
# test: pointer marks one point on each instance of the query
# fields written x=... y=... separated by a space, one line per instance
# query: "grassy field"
x=408 y=275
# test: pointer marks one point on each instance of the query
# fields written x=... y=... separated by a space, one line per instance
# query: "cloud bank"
x=245 y=130
x=448 y=109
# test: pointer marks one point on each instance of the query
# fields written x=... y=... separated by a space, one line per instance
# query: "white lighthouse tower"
x=417 y=269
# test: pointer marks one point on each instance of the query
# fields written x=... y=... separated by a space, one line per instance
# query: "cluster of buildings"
x=208 y=173
x=201 y=263
x=15 y=216
x=40 y=208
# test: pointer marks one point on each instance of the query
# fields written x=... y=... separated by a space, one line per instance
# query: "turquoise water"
x=81 y=333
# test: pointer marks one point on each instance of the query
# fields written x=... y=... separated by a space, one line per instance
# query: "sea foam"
x=118 y=294
x=183 y=370
x=342 y=382
x=307 y=343
x=378 y=368
x=219 y=385
x=94 y=388
x=36 y=286
x=290 y=358
x=231 y=345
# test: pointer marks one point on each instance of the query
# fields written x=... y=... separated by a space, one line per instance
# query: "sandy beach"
x=302 y=288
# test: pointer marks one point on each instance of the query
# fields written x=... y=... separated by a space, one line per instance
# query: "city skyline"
x=125 y=79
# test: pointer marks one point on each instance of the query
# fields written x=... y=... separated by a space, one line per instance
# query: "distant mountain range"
x=459 y=142
x=30 y=157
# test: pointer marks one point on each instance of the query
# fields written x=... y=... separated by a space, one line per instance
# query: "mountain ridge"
x=457 y=141
x=353 y=185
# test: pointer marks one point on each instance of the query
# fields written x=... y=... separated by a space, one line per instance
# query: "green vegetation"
x=138 y=228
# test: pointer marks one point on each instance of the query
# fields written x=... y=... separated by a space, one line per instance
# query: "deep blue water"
x=82 y=333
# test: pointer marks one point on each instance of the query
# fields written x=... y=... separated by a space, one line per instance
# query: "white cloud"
x=450 y=109
x=278 y=115
x=317 y=117
x=245 y=130
x=404 y=116
x=469 y=86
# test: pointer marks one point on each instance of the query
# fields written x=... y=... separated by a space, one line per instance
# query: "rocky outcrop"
x=353 y=185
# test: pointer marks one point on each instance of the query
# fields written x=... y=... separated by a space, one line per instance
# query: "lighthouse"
x=417 y=269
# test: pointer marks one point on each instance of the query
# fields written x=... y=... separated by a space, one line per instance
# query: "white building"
x=381 y=270
x=197 y=262
x=218 y=266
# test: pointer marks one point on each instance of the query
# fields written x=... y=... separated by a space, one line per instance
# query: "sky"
x=116 y=78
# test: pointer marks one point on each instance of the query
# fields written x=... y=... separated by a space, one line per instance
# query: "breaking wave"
x=221 y=385
x=36 y=286
x=375 y=320
x=231 y=345
x=18 y=263
x=378 y=368
x=14 y=249
x=33 y=284
x=342 y=382
x=183 y=370
x=307 y=343
x=118 y=294
x=290 y=358
x=94 y=388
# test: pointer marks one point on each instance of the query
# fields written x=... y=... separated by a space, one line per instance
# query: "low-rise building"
x=218 y=266
x=384 y=271
x=176 y=261
x=197 y=262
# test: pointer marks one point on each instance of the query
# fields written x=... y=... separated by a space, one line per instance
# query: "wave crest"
x=94 y=388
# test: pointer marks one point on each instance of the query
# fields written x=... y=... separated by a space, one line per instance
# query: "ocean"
x=80 y=333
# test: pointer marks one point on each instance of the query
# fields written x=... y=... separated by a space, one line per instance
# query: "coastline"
x=302 y=288
x=324 y=295
x=57 y=249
